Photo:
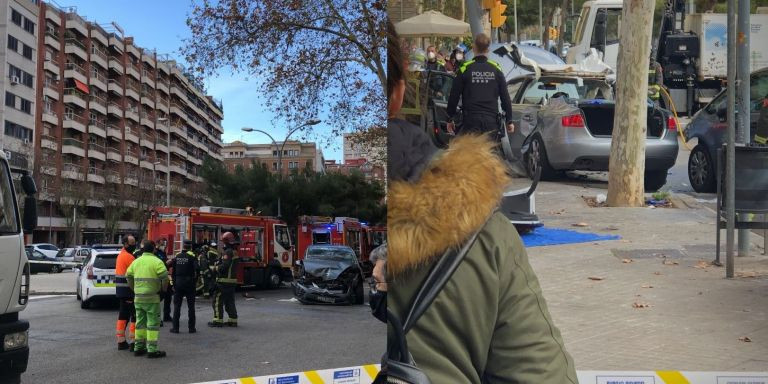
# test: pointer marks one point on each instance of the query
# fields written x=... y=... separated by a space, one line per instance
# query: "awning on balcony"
x=82 y=86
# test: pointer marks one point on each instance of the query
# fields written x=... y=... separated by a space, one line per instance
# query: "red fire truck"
x=340 y=231
x=264 y=243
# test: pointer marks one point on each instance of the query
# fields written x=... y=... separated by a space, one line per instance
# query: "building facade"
x=369 y=170
x=18 y=58
x=296 y=156
x=120 y=129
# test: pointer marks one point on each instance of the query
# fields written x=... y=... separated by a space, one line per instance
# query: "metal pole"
x=280 y=175
x=730 y=168
x=517 y=37
x=475 y=16
x=742 y=130
x=50 y=221
x=541 y=25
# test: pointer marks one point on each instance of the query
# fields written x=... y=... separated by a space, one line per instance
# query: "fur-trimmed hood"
x=457 y=190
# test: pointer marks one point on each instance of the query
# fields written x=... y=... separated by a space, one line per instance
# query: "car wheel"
x=701 y=170
x=654 y=180
x=55 y=269
x=85 y=304
x=273 y=279
x=537 y=157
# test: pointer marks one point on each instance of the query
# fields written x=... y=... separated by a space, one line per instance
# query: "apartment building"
x=369 y=170
x=296 y=156
x=121 y=128
x=18 y=58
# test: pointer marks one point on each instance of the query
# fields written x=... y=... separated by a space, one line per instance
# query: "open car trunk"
x=598 y=118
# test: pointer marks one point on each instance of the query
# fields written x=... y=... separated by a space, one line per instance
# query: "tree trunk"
x=627 y=163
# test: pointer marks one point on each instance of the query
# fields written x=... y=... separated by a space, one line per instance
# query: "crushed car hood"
x=325 y=269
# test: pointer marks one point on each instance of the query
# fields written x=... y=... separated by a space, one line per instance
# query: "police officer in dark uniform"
x=480 y=84
x=184 y=271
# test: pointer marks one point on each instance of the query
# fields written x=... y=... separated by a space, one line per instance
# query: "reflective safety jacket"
x=227 y=270
x=148 y=273
x=124 y=259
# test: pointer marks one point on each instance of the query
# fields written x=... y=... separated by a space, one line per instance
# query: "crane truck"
x=691 y=47
x=14 y=271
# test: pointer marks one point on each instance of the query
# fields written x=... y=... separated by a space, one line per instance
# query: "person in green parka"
x=490 y=322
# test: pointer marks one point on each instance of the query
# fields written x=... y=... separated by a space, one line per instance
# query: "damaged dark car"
x=329 y=274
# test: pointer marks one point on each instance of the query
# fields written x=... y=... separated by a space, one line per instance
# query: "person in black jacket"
x=480 y=84
x=184 y=271
x=226 y=282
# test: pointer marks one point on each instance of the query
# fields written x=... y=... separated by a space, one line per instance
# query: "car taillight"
x=573 y=121
x=671 y=123
x=89 y=271
x=437 y=130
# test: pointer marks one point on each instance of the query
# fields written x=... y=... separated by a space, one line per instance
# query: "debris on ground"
x=640 y=305
x=702 y=265
x=647 y=286
x=592 y=202
x=749 y=274
x=657 y=273
x=596 y=278
x=745 y=339
x=627 y=261
x=669 y=262
x=582 y=224
x=559 y=212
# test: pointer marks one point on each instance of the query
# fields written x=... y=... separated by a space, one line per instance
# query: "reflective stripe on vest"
x=761 y=140
x=468 y=63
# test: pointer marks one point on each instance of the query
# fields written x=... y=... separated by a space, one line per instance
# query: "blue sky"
x=161 y=25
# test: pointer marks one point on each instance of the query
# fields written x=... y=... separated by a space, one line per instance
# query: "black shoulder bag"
x=398 y=366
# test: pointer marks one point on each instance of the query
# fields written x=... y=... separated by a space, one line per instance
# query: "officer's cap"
x=187 y=244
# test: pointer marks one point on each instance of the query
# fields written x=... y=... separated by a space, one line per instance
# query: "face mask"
x=378 y=303
x=431 y=55
x=130 y=248
x=459 y=56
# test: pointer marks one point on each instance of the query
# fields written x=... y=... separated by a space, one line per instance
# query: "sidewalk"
x=696 y=317
x=64 y=283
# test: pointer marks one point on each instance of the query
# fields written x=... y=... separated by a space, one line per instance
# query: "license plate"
x=326 y=299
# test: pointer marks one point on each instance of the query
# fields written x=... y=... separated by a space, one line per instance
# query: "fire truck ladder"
x=181 y=231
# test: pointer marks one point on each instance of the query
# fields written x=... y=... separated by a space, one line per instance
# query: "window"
x=17 y=131
x=10 y=100
x=28 y=52
x=580 y=26
x=29 y=26
x=13 y=43
x=26 y=105
x=274 y=153
x=16 y=17
x=27 y=79
x=274 y=166
x=9 y=221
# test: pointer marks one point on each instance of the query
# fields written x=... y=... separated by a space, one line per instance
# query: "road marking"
x=247 y=380
x=33 y=298
x=313 y=377
x=672 y=377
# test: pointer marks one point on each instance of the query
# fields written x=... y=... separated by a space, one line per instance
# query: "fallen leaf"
x=746 y=274
x=745 y=339
x=647 y=286
x=657 y=273
x=670 y=262
x=702 y=265
x=582 y=224
x=640 y=305
x=596 y=278
x=627 y=261
x=611 y=228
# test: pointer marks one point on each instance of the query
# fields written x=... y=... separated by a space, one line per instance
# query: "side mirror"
x=722 y=112
x=30 y=213
x=28 y=185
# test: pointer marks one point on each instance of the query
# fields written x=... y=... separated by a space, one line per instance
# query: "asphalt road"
x=275 y=335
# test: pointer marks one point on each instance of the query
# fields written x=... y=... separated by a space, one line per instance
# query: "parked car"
x=38 y=262
x=330 y=274
x=66 y=254
x=49 y=250
x=81 y=253
x=564 y=121
x=709 y=127
x=96 y=278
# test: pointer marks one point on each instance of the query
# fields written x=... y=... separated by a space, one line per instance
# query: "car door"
x=435 y=92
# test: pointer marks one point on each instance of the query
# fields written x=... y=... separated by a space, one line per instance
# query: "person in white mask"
x=432 y=64
x=454 y=62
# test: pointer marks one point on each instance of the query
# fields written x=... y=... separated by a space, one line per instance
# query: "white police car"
x=96 y=277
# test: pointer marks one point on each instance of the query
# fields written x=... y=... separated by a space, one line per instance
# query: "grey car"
x=709 y=126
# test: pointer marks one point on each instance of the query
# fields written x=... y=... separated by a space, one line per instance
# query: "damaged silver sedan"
x=329 y=274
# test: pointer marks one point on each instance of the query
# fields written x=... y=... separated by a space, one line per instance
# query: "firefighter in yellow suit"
x=148 y=278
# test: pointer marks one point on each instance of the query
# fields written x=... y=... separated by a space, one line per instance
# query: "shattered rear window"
x=333 y=254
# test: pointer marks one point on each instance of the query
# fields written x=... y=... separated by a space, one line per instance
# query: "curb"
x=41 y=293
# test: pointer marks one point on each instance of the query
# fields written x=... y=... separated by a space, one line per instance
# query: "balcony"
x=112 y=176
x=148 y=164
x=75 y=47
x=72 y=171
x=197 y=160
x=148 y=78
x=162 y=103
x=74 y=21
x=179 y=168
x=132 y=113
x=100 y=57
x=98 y=104
x=132 y=157
x=96 y=175
x=132 y=178
x=148 y=99
x=147 y=141
x=73 y=147
x=161 y=144
x=51 y=66
x=115 y=109
x=51 y=88
x=147 y=120
x=75 y=121
x=177 y=149
x=116 y=64
x=74 y=71
x=99 y=81
x=98 y=128
x=48 y=168
x=175 y=90
x=52 y=39
x=133 y=71
x=132 y=91
x=50 y=116
x=132 y=134
x=161 y=168
x=96 y=151
x=113 y=154
x=178 y=129
x=99 y=34
x=75 y=97
x=115 y=86
x=49 y=142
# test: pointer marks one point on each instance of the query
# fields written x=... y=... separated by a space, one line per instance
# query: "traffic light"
x=553 y=33
x=497 y=14
x=488 y=4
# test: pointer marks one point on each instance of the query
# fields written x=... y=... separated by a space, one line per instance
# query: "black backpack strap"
x=437 y=278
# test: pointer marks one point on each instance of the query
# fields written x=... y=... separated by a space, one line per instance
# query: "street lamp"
x=154 y=179
x=168 y=164
x=282 y=147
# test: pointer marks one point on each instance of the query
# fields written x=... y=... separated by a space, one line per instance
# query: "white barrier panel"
x=671 y=377
x=350 y=375
x=366 y=373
